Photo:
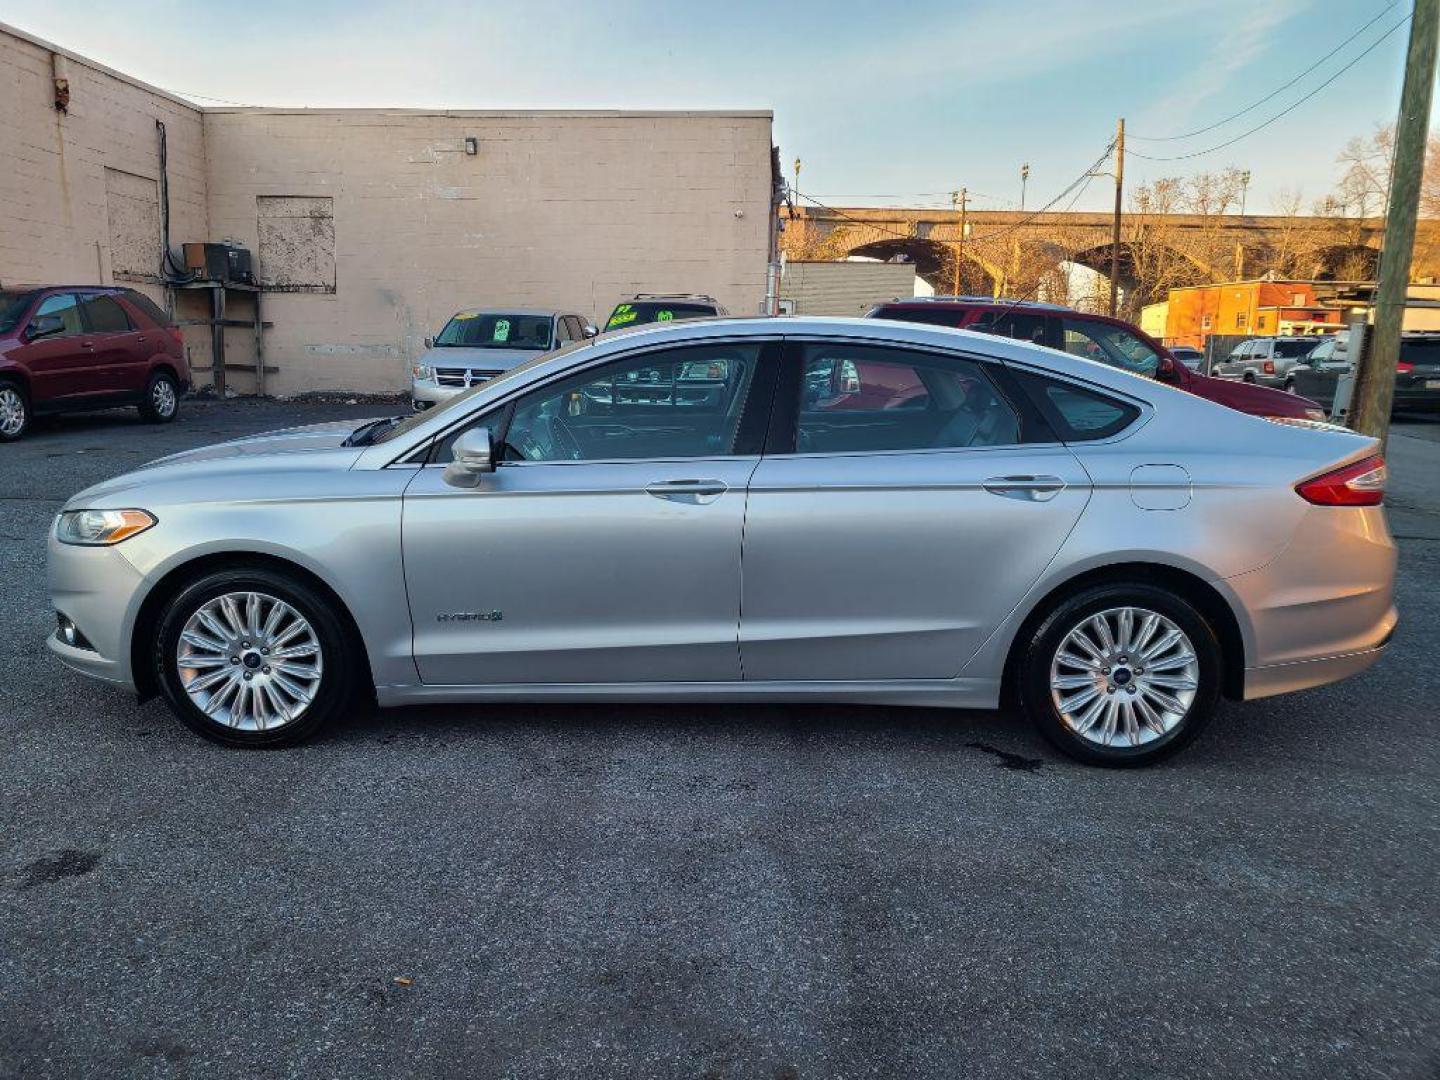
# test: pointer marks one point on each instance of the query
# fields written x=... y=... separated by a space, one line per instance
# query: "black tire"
x=15 y=415
x=1289 y=386
x=162 y=399
x=1033 y=674
x=334 y=693
x=1249 y=377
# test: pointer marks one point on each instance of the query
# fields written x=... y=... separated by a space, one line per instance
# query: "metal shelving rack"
x=218 y=321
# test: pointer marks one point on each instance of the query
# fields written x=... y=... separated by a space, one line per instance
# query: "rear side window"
x=104 y=315
x=1293 y=347
x=858 y=398
x=930 y=316
x=1420 y=350
x=1077 y=413
x=147 y=307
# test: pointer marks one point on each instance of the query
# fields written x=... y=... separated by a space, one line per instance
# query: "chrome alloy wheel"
x=162 y=398
x=12 y=411
x=1124 y=677
x=249 y=661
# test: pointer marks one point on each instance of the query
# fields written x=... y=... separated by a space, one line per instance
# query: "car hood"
x=312 y=447
x=293 y=440
x=1250 y=398
x=482 y=359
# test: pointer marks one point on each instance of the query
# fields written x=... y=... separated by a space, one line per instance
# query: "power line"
x=1283 y=112
x=1274 y=93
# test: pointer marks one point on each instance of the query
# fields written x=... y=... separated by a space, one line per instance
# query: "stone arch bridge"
x=1014 y=253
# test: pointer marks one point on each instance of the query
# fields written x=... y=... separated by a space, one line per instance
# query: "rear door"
x=116 y=345
x=897 y=516
x=61 y=365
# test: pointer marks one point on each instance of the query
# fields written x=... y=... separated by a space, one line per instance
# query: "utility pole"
x=958 y=201
x=1375 y=372
x=1115 y=228
x=1024 y=176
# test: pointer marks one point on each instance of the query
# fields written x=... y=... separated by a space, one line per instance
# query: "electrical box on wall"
x=220 y=262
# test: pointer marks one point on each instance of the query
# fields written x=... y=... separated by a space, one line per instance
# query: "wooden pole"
x=1375 y=371
x=1115 y=227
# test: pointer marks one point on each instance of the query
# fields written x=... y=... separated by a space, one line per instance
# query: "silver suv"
x=480 y=343
x=1265 y=360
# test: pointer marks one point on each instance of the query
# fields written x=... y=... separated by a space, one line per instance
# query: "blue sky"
x=903 y=100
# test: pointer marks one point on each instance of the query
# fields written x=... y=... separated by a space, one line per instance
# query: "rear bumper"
x=1305 y=674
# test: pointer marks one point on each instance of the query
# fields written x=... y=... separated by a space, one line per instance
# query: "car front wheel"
x=254 y=658
x=1121 y=675
x=162 y=399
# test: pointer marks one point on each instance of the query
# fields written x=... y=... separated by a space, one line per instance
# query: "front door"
x=909 y=523
x=61 y=364
x=605 y=546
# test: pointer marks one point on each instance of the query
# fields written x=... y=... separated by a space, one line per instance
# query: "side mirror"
x=429 y=342
x=590 y=330
x=473 y=457
x=1166 y=368
x=43 y=326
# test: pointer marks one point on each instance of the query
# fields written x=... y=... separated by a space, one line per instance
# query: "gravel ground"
x=767 y=891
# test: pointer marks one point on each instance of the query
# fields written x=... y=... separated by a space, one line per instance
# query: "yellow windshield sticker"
x=625 y=313
x=468 y=315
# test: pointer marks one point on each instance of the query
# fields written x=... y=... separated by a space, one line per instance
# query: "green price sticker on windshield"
x=664 y=316
x=502 y=329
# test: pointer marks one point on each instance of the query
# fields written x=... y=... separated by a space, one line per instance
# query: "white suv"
x=1265 y=360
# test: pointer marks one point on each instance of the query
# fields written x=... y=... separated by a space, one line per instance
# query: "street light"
x=1024 y=176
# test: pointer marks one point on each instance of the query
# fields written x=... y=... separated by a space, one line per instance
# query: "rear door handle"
x=1027 y=487
x=688 y=491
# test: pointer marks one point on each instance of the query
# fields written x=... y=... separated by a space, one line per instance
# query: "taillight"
x=1404 y=366
x=1269 y=367
x=1360 y=484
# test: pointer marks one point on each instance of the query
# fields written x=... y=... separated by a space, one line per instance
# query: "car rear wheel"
x=1249 y=377
x=254 y=658
x=161 y=400
x=1121 y=675
x=14 y=411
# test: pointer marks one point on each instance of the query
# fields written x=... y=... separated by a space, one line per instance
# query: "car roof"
x=475 y=312
x=977 y=301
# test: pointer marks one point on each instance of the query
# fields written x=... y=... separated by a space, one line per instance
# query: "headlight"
x=421 y=371
x=98 y=528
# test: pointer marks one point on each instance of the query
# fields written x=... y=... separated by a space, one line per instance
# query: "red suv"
x=72 y=347
x=1095 y=337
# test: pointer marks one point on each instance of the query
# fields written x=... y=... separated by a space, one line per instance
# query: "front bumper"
x=97 y=589
x=427 y=393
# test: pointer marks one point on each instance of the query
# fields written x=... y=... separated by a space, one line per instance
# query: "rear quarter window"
x=147 y=307
x=1077 y=413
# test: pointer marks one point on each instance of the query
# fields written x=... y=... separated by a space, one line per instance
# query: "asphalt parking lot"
x=767 y=891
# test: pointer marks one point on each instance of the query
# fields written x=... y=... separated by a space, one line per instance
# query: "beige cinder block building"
x=368 y=228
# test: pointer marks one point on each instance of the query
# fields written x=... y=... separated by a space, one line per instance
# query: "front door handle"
x=687 y=491
x=1027 y=487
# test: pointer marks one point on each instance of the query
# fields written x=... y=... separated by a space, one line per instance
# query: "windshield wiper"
x=365 y=434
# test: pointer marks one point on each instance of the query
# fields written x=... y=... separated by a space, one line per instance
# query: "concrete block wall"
x=54 y=219
x=567 y=209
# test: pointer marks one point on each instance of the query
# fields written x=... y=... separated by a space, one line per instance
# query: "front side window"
x=496 y=330
x=562 y=331
x=857 y=398
x=104 y=315
x=664 y=404
x=1110 y=345
x=64 y=306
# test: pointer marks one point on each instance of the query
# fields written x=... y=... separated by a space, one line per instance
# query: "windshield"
x=1296 y=347
x=12 y=306
x=458 y=401
x=496 y=330
x=639 y=312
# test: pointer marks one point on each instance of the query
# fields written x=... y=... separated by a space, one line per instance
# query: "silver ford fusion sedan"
x=753 y=509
